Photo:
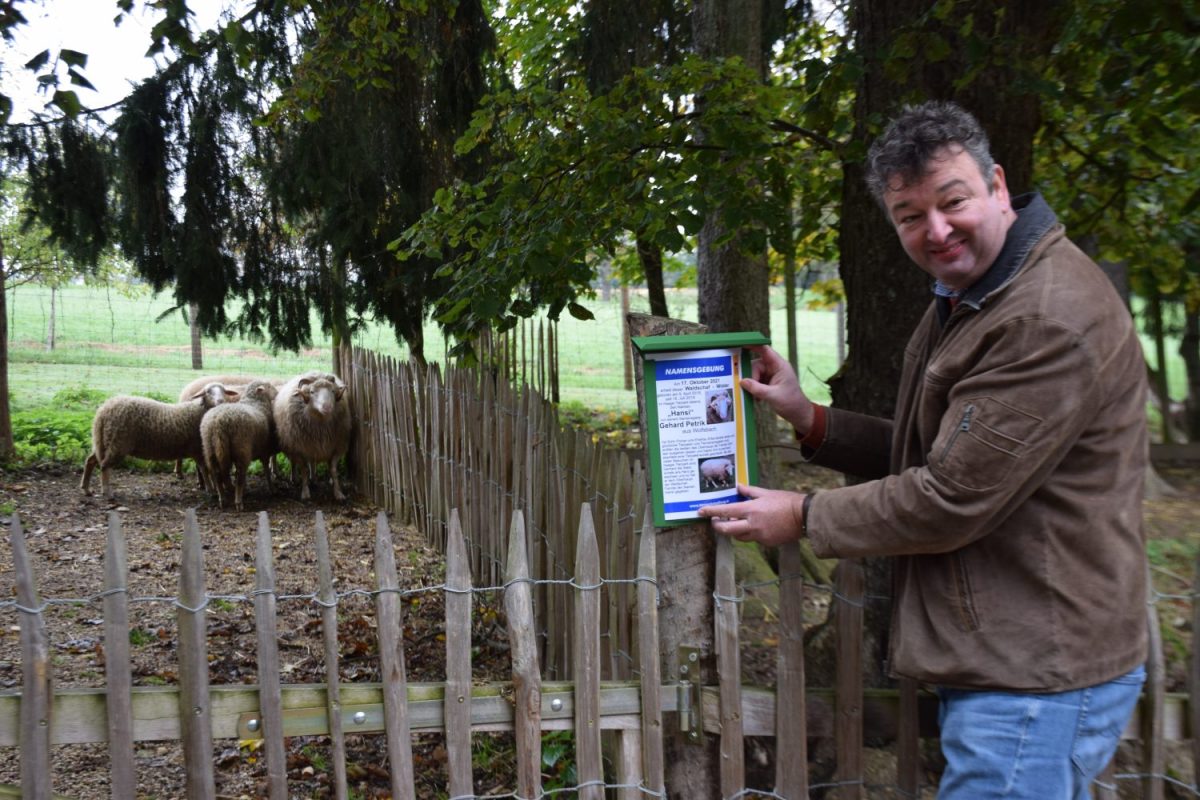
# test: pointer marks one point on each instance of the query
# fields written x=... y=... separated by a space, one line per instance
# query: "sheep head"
x=320 y=395
x=214 y=394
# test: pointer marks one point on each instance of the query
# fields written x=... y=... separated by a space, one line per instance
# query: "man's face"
x=953 y=221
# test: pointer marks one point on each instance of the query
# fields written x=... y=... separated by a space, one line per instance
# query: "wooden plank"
x=526 y=674
x=629 y=764
x=791 y=729
x=267 y=633
x=648 y=657
x=1153 y=751
x=194 y=710
x=36 y=675
x=458 y=662
x=588 y=757
x=118 y=677
x=1193 y=684
x=729 y=671
x=78 y=714
x=327 y=599
x=849 y=587
x=908 y=743
x=390 y=616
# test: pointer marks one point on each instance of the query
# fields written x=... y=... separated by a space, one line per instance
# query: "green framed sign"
x=700 y=441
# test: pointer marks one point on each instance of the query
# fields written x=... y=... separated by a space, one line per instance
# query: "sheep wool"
x=144 y=428
x=234 y=434
x=312 y=419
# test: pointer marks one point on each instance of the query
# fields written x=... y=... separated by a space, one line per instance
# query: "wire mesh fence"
x=121 y=338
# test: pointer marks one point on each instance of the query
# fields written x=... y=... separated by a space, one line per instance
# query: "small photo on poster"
x=718 y=407
x=717 y=473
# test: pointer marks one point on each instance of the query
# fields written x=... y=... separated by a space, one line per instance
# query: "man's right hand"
x=775 y=383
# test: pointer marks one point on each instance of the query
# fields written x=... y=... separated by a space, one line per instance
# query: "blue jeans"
x=1032 y=746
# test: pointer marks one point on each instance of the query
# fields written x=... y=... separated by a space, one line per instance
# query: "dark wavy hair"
x=900 y=156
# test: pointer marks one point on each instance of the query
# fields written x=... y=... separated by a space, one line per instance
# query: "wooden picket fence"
x=637 y=714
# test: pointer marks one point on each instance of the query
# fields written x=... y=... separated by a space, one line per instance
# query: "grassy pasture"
x=112 y=341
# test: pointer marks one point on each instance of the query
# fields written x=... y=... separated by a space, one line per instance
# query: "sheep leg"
x=179 y=468
x=239 y=491
x=88 y=467
x=105 y=481
x=333 y=476
x=205 y=480
x=305 y=480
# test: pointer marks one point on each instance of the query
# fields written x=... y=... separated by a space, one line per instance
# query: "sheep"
x=716 y=473
x=234 y=383
x=144 y=428
x=234 y=434
x=313 y=423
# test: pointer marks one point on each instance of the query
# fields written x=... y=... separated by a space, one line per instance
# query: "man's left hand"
x=770 y=516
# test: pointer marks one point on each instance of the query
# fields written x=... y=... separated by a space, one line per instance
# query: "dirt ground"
x=65 y=533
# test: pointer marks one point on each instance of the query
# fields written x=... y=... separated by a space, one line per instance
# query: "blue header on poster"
x=682 y=368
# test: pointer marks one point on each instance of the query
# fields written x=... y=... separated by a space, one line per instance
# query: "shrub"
x=52 y=435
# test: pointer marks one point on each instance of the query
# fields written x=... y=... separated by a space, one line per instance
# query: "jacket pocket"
x=983 y=444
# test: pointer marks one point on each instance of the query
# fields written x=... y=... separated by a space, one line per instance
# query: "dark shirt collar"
x=1034 y=219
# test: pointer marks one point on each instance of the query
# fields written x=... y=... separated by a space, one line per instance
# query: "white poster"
x=701 y=446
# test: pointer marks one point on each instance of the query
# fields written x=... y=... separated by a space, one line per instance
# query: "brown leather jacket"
x=1009 y=485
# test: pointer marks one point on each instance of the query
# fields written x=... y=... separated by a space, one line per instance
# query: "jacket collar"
x=1034 y=219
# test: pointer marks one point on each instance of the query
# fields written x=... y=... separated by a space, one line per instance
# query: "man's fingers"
x=736 y=528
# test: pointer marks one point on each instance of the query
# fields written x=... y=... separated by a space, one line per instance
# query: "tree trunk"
x=650 y=255
x=733 y=283
x=1189 y=351
x=885 y=293
x=626 y=344
x=685 y=584
x=7 y=447
x=1158 y=376
x=197 y=342
x=53 y=318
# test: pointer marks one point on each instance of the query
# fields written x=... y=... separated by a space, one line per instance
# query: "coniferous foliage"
x=67 y=186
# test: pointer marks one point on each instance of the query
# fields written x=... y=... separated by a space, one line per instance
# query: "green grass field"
x=112 y=341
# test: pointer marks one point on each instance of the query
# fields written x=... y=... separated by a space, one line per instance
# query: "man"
x=1009 y=484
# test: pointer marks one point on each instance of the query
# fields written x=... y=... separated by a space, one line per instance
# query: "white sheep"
x=144 y=428
x=716 y=473
x=233 y=383
x=234 y=434
x=312 y=419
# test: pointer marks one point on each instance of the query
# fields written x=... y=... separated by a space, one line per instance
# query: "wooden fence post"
x=686 y=607
x=195 y=711
x=36 y=689
x=586 y=661
x=390 y=616
x=327 y=598
x=1153 y=753
x=118 y=676
x=791 y=708
x=270 y=708
x=849 y=594
x=527 y=676
x=458 y=662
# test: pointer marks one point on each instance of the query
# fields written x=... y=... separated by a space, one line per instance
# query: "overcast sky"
x=116 y=54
